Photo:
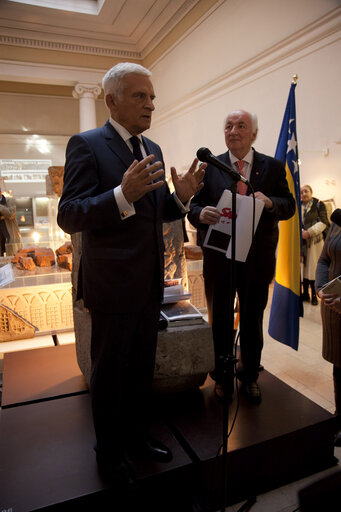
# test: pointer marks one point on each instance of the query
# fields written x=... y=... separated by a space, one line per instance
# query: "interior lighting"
x=38 y=143
x=36 y=237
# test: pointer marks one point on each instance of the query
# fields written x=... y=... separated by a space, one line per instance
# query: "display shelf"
x=42 y=296
x=37 y=277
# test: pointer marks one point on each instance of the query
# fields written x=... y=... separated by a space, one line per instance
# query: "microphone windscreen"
x=336 y=216
x=203 y=153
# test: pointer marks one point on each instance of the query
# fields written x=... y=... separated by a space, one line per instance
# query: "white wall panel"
x=235 y=34
x=243 y=55
x=184 y=122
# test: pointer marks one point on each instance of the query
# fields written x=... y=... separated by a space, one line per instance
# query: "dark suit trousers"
x=123 y=348
x=252 y=301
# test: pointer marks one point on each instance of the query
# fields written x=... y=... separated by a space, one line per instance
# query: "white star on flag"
x=292 y=144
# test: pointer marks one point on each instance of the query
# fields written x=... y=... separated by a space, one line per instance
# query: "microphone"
x=205 y=155
x=336 y=216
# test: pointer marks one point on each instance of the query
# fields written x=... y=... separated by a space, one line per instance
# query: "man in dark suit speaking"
x=115 y=194
x=252 y=278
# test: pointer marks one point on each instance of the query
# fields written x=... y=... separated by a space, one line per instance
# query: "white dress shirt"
x=127 y=209
x=248 y=159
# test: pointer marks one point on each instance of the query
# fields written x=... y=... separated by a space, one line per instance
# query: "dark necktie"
x=136 y=147
x=138 y=155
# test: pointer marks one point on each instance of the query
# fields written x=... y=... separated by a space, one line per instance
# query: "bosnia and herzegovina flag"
x=286 y=307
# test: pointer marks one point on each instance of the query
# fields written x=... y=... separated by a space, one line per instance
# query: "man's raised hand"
x=140 y=178
x=188 y=185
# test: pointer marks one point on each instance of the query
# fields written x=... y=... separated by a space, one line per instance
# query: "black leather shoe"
x=314 y=300
x=118 y=472
x=151 y=449
x=252 y=392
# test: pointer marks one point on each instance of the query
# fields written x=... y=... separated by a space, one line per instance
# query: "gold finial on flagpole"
x=294 y=79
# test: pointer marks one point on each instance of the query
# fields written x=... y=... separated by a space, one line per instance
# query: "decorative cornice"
x=109 y=47
x=159 y=38
x=135 y=47
x=311 y=38
x=148 y=45
x=69 y=47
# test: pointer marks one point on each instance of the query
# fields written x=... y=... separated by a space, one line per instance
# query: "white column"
x=87 y=94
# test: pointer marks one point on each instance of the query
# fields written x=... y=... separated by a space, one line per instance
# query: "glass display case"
x=41 y=296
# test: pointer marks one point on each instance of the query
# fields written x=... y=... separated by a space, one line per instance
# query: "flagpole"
x=286 y=306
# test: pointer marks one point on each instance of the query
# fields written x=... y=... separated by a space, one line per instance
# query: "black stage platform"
x=47 y=461
x=41 y=374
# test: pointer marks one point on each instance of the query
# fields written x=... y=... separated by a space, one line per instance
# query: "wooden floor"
x=48 y=463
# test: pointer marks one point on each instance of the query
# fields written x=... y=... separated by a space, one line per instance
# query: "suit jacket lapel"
x=117 y=145
x=225 y=175
x=257 y=171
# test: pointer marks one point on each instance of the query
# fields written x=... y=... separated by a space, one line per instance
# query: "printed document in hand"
x=218 y=236
x=333 y=286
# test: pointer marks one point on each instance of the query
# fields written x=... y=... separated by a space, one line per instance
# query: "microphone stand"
x=228 y=359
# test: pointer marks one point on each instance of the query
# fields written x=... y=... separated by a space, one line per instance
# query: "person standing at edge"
x=10 y=236
x=268 y=179
x=314 y=223
x=119 y=201
x=328 y=268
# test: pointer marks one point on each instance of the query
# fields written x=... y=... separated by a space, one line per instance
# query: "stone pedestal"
x=184 y=354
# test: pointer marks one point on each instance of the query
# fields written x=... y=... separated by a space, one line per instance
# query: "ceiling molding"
x=69 y=47
x=153 y=52
x=123 y=30
x=301 y=42
x=311 y=38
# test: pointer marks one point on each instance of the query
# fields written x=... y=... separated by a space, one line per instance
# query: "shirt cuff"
x=126 y=209
x=184 y=208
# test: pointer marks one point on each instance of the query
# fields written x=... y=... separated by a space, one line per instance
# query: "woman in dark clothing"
x=329 y=267
x=315 y=222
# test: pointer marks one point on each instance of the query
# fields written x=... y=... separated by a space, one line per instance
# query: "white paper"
x=6 y=275
x=218 y=236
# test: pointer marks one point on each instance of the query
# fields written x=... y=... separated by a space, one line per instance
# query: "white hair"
x=112 y=79
x=254 y=120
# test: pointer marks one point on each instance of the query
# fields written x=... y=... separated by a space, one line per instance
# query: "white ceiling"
x=129 y=28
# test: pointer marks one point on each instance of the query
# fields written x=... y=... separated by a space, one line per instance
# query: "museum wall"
x=242 y=56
